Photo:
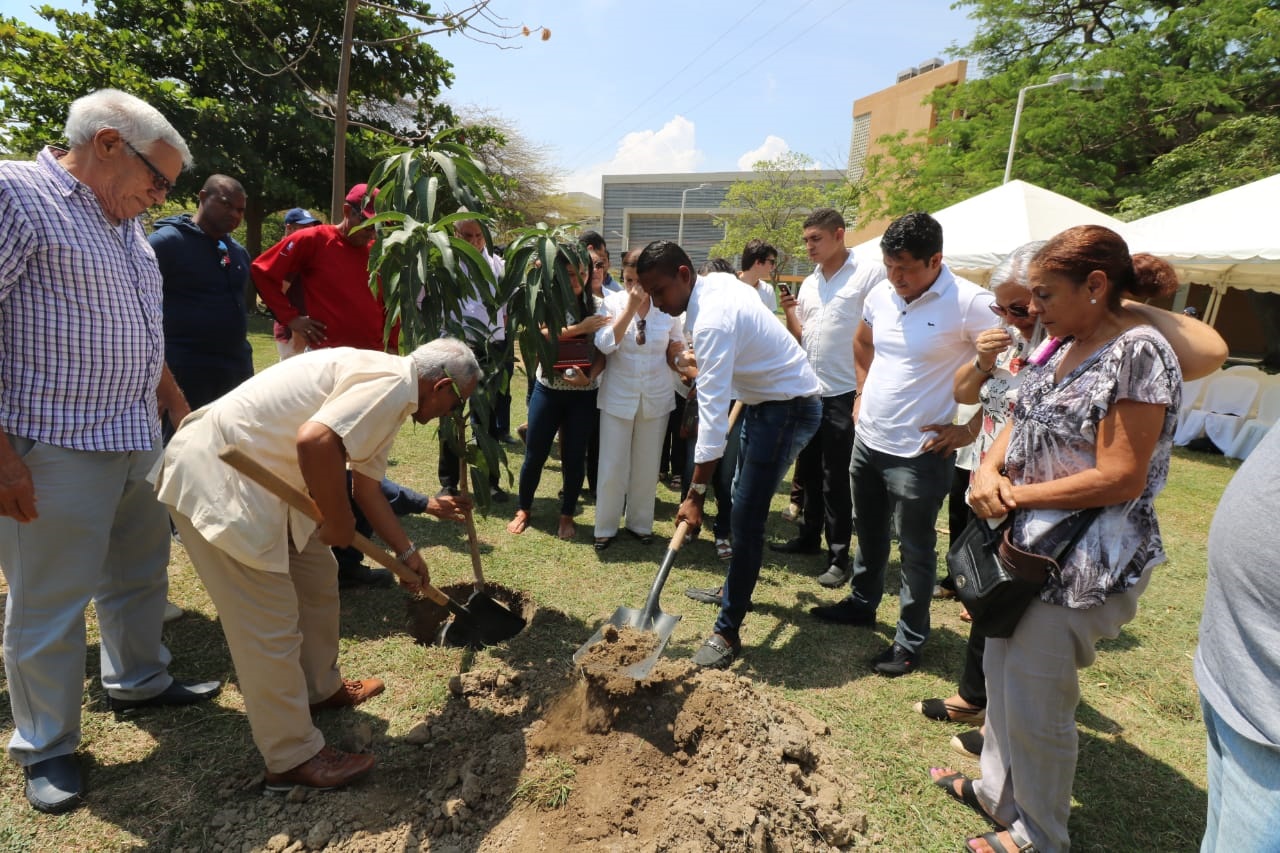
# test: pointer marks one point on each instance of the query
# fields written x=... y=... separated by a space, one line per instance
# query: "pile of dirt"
x=551 y=759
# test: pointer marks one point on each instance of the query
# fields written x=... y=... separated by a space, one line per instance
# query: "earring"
x=1093 y=302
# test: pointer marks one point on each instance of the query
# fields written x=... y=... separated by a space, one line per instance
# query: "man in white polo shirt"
x=745 y=354
x=918 y=328
x=824 y=317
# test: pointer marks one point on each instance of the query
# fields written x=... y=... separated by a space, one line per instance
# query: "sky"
x=624 y=87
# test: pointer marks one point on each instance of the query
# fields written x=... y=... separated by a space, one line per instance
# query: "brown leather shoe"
x=351 y=692
x=327 y=769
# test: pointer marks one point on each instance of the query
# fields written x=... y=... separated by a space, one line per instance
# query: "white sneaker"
x=172 y=611
x=834 y=576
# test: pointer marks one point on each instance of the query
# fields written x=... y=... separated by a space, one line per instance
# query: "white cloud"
x=773 y=147
x=673 y=148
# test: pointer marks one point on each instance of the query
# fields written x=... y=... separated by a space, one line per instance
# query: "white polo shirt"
x=743 y=353
x=829 y=311
x=918 y=348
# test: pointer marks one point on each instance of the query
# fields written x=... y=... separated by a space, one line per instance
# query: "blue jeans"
x=573 y=413
x=772 y=435
x=911 y=491
x=721 y=480
x=1244 y=790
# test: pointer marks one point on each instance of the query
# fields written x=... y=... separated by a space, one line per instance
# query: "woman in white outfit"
x=635 y=398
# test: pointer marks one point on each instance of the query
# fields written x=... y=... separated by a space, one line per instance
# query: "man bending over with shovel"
x=268 y=568
x=743 y=353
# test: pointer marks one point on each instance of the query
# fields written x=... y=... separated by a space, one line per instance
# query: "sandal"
x=946 y=712
x=603 y=542
x=716 y=653
x=1020 y=844
x=724 y=549
x=968 y=743
x=967 y=795
x=711 y=596
x=642 y=538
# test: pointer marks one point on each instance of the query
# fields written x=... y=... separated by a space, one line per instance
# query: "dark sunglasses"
x=158 y=180
x=640 y=324
x=1019 y=311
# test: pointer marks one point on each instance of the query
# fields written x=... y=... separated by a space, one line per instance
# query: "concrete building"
x=900 y=107
x=639 y=209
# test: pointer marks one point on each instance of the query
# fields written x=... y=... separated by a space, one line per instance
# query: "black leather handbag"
x=996 y=580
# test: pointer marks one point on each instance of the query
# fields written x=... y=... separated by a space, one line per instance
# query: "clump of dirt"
x=538 y=756
x=428 y=620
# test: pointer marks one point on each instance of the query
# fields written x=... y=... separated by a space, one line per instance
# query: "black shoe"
x=508 y=439
x=54 y=785
x=498 y=496
x=360 y=575
x=447 y=492
x=894 y=661
x=795 y=546
x=845 y=612
x=177 y=693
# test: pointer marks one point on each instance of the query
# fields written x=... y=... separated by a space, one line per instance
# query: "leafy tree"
x=1187 y=67
x=773 y=205
x=243 y=80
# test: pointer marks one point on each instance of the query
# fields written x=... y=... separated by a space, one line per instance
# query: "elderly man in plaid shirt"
x=82 y=388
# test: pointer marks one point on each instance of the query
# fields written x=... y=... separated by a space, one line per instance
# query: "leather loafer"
x=351 y=692
x=845 y=612
x=54 y=785
x=177 y=693
x=795 y=546
x=327 y=769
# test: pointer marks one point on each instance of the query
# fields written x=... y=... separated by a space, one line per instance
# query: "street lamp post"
x=1076 y=82
x=683 y=195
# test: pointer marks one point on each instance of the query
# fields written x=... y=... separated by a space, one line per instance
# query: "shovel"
x=650 y=619
x=482 y=606
x=467 y=628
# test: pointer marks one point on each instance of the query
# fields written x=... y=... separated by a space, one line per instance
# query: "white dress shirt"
x=743 y=353
x=636 y=382
x=829 y=311
x=918 y=348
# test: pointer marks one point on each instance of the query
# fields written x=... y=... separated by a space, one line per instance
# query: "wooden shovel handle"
x=472 y=541
x=301 y=501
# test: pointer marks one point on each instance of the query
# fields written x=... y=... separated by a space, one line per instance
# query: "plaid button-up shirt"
x=81 y=331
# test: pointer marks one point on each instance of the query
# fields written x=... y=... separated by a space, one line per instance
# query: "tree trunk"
x=339 y=190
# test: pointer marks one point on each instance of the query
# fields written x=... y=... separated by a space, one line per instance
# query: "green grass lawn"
x=1140 y=783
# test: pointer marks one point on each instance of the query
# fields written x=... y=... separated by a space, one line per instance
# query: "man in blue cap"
x=287 y=344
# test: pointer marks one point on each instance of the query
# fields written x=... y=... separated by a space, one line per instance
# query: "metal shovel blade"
x=496 y=623
x=661 y=625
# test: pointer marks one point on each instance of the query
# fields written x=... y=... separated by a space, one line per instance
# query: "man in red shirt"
x=330 y=264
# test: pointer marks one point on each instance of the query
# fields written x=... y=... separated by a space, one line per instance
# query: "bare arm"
x=969 y=378
x=323 y=462
x=17 y=491
x=864 y=350
x=1198 y=346
x=170 y=398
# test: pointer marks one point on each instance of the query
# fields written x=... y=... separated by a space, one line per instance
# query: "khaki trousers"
x=282 y=629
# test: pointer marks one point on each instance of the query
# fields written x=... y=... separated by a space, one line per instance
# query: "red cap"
x=360 y=194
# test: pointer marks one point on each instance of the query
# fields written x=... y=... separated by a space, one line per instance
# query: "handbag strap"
x=1080 y=522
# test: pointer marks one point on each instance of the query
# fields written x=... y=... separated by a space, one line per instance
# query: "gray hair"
x=1014 y=267
x=138 y=122
x=446 y=357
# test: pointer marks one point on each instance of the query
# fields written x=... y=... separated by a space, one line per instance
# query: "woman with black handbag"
x=1092 y=427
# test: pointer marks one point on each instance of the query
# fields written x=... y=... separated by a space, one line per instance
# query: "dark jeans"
x=572 y=413
x=202 y=385
x=772 y=435
x=822 y=470
x=908 y=492
x=973 y=680
x=403 y=500
x=674 y=448
x=721 y=480
x=502 y=407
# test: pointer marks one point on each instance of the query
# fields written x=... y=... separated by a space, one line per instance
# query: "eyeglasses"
x=640 y=324
x=158 y=180
x=1019 y=311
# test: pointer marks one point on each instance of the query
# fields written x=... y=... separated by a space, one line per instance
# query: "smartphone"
x=784 y=289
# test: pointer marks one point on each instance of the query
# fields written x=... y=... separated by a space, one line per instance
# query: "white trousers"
x=101 y=536
x=282 y=630
x=1033 y=687
x=630 y=450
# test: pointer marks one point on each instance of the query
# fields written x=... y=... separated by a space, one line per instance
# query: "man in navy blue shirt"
x=205 y=274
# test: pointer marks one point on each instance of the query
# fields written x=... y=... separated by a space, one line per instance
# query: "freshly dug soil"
x=540 y=757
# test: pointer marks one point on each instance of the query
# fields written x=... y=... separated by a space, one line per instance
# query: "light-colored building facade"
x=900 y=107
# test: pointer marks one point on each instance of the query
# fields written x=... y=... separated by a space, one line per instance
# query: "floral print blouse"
x=1055 y=435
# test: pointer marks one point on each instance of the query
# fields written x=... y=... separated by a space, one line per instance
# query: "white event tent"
x=1226 y=240
x=981 y=231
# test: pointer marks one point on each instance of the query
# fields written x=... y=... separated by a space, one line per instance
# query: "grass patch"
x=549 y=788
x=160 y=781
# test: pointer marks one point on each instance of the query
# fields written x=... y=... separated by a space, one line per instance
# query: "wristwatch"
x=407 y=552
x=699 y=489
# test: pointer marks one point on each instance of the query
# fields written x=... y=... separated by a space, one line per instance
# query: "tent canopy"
x=1226 y=240
x=981 y=231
